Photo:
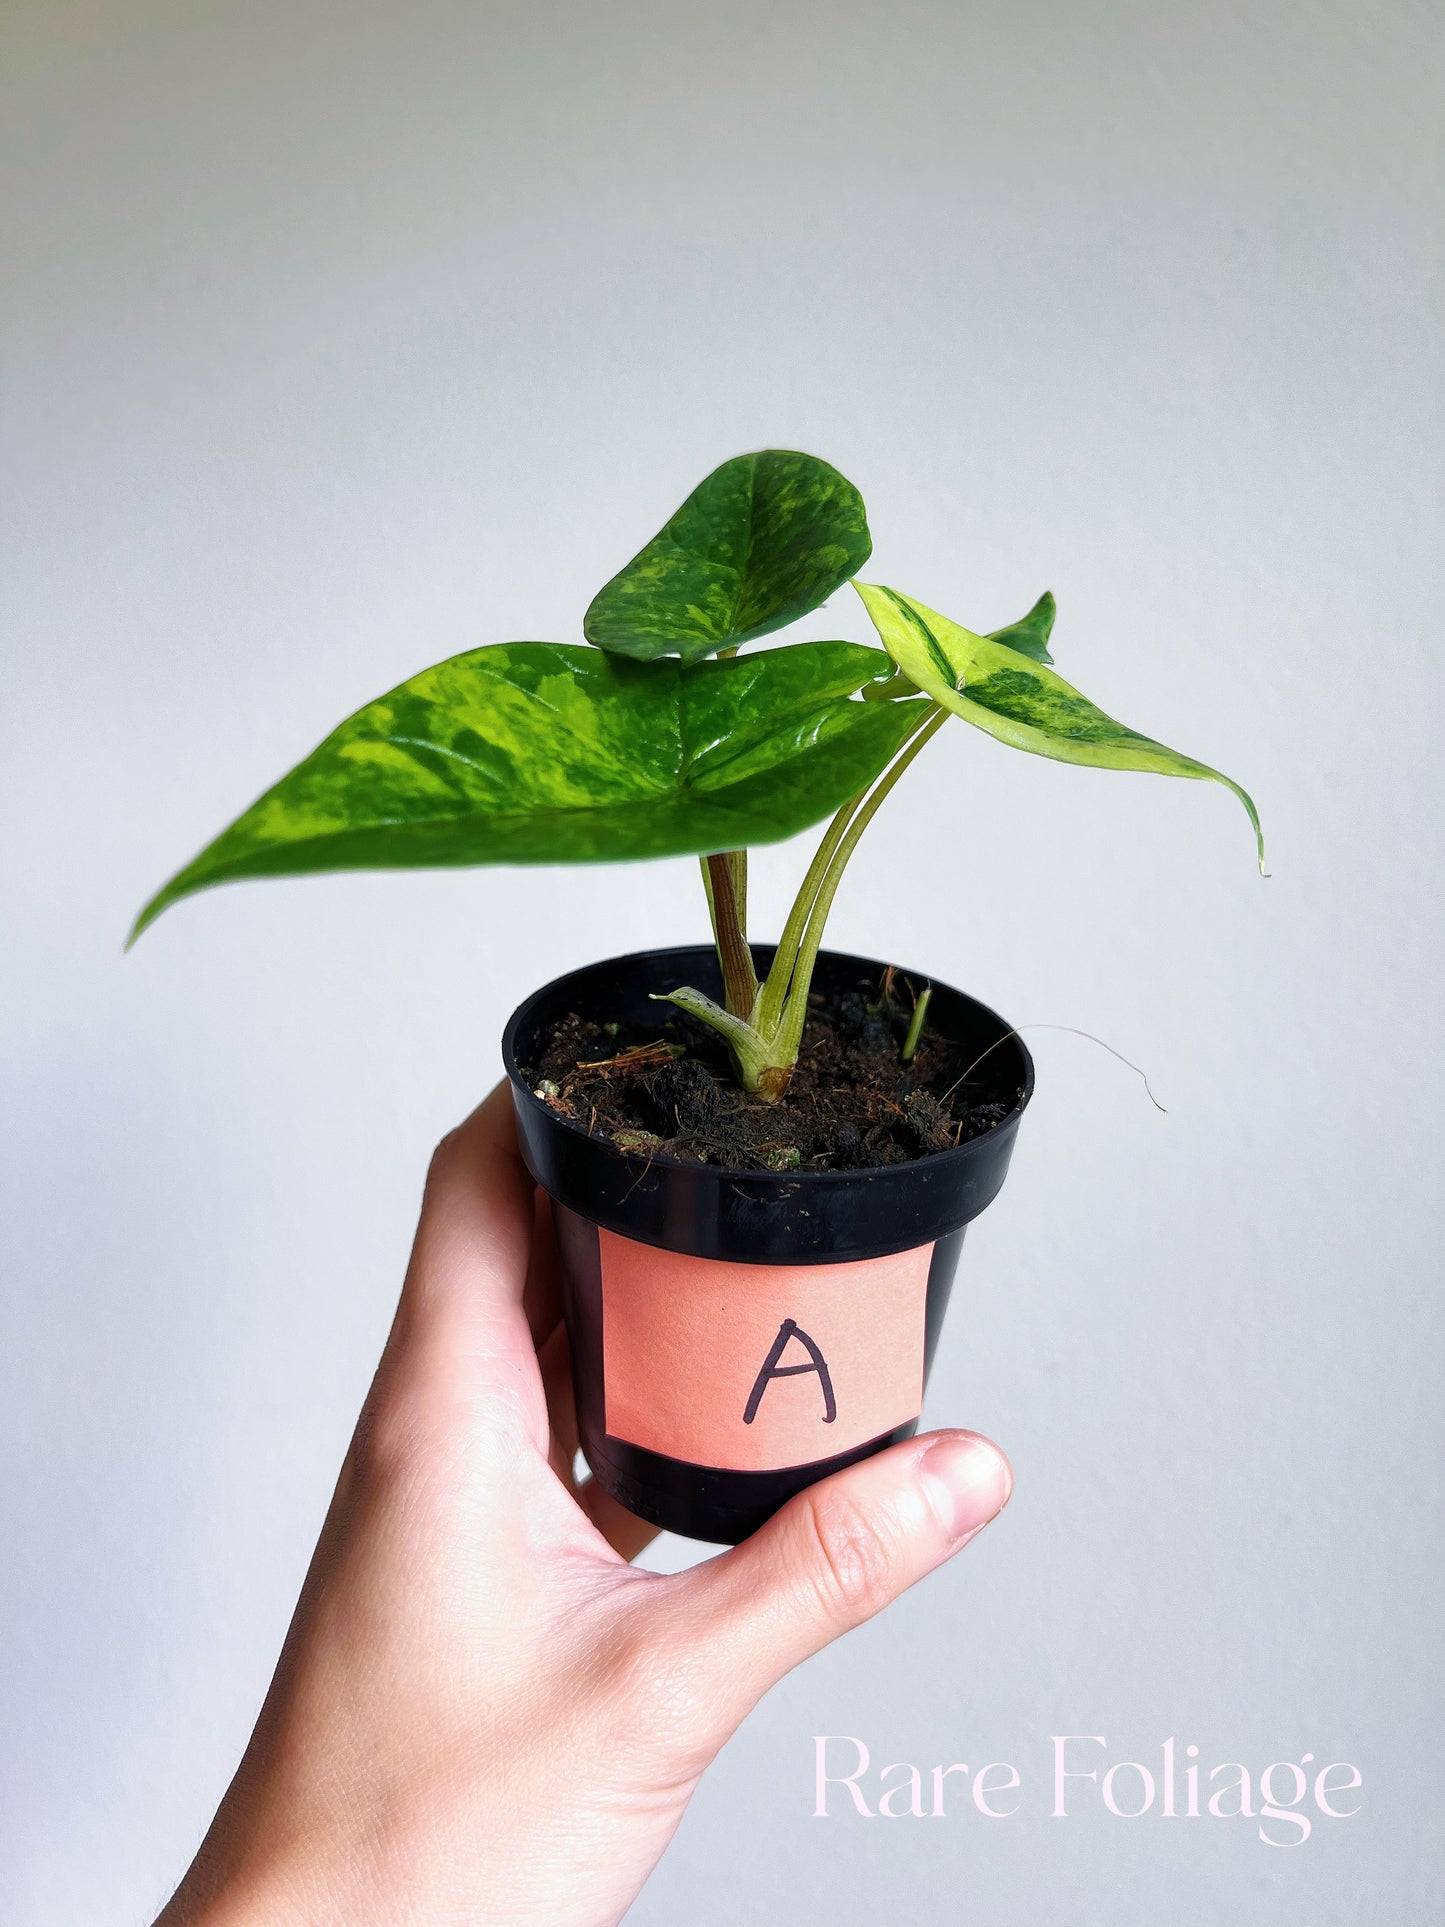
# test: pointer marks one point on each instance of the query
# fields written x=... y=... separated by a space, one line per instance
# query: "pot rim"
x=959 y=1153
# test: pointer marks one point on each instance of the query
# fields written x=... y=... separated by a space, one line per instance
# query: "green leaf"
x=1030 y=635
x=541 y=752
x=1020 y=702
x=763 y=540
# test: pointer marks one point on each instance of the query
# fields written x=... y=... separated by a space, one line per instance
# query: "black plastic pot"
x=708 y=1395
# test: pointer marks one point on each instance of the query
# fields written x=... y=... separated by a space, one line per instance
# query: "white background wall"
x=341 y=337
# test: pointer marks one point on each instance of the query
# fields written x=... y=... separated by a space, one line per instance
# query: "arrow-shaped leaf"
x=763 y=540
x=1020 y=702
x=541 y=752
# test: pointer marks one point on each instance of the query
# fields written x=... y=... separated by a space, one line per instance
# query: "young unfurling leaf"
x=1030 y=634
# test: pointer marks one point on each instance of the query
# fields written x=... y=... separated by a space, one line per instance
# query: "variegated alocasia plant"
x=656 y=738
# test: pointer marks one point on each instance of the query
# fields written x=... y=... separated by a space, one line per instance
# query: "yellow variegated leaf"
x=544 y=752
x=1018 y=699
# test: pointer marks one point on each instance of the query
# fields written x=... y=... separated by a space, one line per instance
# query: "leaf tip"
x=156 y=906
x=1255 y=824
x=142 y=923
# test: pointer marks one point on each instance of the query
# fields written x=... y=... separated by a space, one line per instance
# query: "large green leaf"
x=541 y=752
x=763 y=540
x=1017 y=700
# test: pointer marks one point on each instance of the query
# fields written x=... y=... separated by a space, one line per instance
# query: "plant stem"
x=763 y=1027
x=775 y=990
x=740 y=983
x=796 y=1010
x=915 y=1024
x=725 y=879
x=739 y=861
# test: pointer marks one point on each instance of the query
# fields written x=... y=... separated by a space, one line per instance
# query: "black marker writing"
x=771 y=1369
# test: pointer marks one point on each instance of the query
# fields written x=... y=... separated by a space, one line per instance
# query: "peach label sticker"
x=753 y=1367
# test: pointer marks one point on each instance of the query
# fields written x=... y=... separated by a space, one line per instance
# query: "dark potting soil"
x=852 y=1103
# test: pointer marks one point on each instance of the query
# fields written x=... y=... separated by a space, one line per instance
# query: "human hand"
x=482 y=1713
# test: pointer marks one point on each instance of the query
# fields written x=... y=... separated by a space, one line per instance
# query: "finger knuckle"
x=853 y=1563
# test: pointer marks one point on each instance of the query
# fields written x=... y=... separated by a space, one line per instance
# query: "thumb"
x=837 y=1554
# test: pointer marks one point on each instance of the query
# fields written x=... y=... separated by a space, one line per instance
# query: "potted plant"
x=761 y=1159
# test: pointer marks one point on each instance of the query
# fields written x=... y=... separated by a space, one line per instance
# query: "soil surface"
x=852 y=1103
